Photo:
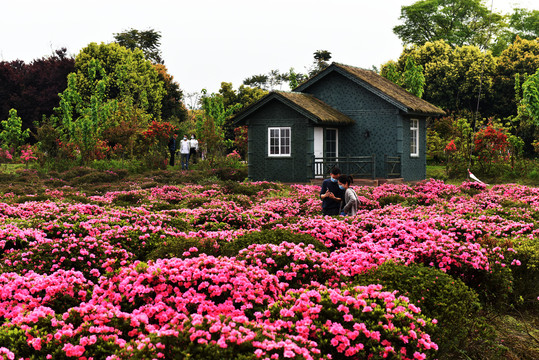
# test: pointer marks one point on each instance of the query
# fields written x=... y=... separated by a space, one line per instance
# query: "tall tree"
x=33 y=88
x=321 y=61
x=522 y=23
x=522 y=58
x=259 y=81
x=530 y=98
x=148 y=41
x=458 y=22
x=237 y=100
x=173 y=107
x=452 y=76
x=129 y=75
x=211 y=124
x=412 y=78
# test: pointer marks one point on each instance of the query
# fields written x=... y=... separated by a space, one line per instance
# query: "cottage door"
x=326 y=150
x=318 y=152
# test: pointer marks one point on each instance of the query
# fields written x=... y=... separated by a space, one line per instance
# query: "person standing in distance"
x=172 y=148
x=193 y=143
x=185 y=148
x=331 y=194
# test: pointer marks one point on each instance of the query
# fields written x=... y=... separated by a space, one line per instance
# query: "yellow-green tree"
x=522 y=58
x=11 y=134
x=110 y=100
x=452 y=75
x=128 y=73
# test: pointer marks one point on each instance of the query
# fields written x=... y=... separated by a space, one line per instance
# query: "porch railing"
x=393 y=166
x=357 y=166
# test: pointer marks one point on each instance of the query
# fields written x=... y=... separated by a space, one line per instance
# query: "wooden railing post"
x=373 y=166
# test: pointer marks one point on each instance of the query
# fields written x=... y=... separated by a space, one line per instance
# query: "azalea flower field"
x=253 y=271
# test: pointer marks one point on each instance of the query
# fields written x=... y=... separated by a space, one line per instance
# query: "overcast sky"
x=205 y=42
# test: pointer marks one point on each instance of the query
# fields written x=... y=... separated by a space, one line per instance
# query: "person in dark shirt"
x=331 y=194
x=172 y=148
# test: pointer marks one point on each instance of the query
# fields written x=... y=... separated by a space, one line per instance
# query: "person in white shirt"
x=193 y=148
x=185 y=148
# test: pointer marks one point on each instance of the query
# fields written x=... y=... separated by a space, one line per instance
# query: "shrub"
x=181 y=247
x=439 y=296
x=275 y=236
x=131 y=198
x=359 y=322
x=96 y=177
x=76 y=172
x=296 y=265
x=86 y=254
x=230 y=173
x=526 y=274
x=235 y=187
x=391 y=199
x=212 y=337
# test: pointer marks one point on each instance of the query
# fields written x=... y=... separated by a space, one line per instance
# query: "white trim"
x=414 y=137
x=318 y=142
x=279 y=147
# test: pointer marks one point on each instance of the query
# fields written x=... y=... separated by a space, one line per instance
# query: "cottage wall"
x=379 y=126
x=414 y=168
x=295 y=168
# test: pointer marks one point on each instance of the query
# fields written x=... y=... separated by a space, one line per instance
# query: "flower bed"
x=80 y=280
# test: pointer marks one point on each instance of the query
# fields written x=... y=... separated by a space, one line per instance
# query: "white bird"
x=473 y=177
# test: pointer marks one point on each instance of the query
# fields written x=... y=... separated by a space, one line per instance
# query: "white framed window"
x=332 y=136
x=279 y=141
x=414 y=137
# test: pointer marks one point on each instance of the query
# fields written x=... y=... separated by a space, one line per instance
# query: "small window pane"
x=279 y=141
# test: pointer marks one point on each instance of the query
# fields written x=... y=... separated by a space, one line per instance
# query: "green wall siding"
x=414 y=168
x=388 y=129
x=295 y=168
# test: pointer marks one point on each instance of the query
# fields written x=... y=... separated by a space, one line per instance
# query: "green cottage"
x=343 y=116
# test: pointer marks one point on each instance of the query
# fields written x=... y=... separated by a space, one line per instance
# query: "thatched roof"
x=313 y=108
x=383 y=87
x=317 y=108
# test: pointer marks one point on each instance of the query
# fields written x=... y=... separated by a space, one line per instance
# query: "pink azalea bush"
x=76 y=279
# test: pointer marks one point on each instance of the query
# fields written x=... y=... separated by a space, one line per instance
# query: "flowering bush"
x=359 y=322
x=253 y=270
x=427 y=288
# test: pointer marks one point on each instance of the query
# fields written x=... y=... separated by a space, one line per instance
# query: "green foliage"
x=181 y=247
x=129 y=75
x=148 y=41
x=211 y=125
x=530 y=98
x=391 y=200
x=274 y=236
x=389 y=71
x=321 y=61
x=293 y=81
x=522 y=58
x=127 y=199
x=526 y=274
x=83 y=125
x=12 y=136
x=413 y=78
x=452 y=76
x=459 y=153
x=441 y=297
x=457 y=22
x=522 y=23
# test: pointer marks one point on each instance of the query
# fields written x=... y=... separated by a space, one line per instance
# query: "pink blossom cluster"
x=71 y=284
